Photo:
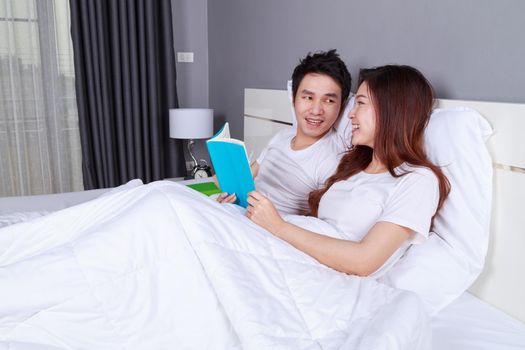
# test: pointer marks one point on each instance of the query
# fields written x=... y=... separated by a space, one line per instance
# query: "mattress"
x=47 y=202
x=471 y=324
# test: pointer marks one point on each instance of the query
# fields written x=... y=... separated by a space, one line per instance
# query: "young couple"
x=381 y=194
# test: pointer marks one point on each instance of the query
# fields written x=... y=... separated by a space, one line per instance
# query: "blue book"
x=230 y=161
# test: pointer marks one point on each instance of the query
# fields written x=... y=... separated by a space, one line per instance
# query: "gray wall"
x=190 y=34
x=471 y=49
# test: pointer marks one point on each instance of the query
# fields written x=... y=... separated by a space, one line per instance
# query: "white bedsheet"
x=471 y=324
x=162 y=266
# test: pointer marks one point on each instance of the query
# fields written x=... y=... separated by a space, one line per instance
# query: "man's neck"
x=299 y=142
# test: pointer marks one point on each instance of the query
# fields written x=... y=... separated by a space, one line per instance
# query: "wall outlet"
x=186 y=57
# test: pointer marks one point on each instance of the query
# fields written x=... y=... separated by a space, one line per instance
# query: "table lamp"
x=191 y=124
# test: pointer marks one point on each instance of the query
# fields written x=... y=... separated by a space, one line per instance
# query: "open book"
x=231 y=165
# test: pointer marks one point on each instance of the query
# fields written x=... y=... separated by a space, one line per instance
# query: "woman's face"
x=363 y=118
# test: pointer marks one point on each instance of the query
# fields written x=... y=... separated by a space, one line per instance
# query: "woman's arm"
x=356 y=258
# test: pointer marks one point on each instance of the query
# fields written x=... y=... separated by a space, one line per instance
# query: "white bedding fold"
x=162 y=266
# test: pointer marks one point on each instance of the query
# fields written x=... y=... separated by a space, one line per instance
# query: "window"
x=39 y=138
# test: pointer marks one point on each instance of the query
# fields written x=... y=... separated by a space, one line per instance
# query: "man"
x=299 y=160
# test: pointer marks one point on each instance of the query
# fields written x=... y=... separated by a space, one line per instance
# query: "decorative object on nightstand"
x=207 y=188
x=191 y=124
x=204 y=185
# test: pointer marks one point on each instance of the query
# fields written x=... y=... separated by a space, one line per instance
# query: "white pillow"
x=342 y=125
x=452 y=258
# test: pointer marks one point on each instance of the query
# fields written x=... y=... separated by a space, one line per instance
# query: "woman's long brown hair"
x=403 y=100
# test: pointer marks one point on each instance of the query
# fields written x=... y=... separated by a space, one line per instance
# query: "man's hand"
x=225 y=198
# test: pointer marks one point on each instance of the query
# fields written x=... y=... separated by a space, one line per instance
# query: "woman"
x=385 y=191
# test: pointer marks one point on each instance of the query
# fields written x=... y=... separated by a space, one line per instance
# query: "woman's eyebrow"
x=363 y=96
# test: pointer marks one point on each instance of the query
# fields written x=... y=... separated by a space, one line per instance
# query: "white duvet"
x=163 y=267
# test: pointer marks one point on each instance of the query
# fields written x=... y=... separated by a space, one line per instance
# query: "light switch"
x=185 y=57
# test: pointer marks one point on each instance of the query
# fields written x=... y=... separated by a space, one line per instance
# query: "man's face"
x=317 y=104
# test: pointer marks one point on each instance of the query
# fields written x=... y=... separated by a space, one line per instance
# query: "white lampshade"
x=191 y=123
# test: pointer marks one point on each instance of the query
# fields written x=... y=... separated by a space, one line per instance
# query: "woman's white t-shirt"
x=353 y=206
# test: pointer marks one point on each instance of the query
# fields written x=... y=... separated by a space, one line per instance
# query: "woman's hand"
x=225 y=198
x=261 y=211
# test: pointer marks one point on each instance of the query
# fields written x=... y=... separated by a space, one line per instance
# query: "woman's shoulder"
x=416 y=169
x=414 y=173
x=416 y=182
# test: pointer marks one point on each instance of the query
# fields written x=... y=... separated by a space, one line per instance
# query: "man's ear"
x=343 y=107
x=291 y=98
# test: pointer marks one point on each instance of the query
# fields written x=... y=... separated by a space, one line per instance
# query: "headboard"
x=502 y=283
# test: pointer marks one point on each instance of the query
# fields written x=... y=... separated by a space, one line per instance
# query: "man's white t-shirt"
x=287 y=176
x=353 y=206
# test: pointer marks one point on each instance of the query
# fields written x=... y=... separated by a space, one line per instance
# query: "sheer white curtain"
x=39 y=138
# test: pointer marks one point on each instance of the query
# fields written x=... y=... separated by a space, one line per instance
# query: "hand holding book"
x=231 y=165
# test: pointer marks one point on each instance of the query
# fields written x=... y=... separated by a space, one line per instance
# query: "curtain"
x=125 y=86
x=39 y=138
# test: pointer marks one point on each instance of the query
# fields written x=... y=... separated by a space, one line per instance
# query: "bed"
x=490 y=315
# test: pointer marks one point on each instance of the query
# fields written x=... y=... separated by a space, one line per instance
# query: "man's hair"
x=327 y=63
